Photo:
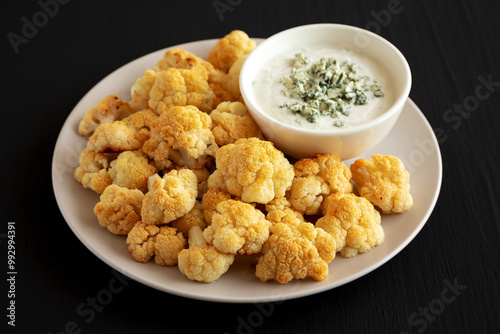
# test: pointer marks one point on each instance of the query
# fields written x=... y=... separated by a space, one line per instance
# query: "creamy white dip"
x=268 y=89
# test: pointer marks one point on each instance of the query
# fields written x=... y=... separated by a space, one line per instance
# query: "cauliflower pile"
x=185 y=175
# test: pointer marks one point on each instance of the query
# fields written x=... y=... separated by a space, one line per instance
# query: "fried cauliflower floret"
x=252 y=169
x=119 y=209
x=169 y=197
x=229 y=48
x=237 y=227
x=142 y=122
x=384 y=181
x=286 y=216
x=232 y=82
x=203 y=262
x=292 y=253
x=93 y=170
x=140 y=90
x=131 y=170
x=280 y=203
x=232 y=121
x=316 y=178
x=202 y=175
x=194 y=217
x=107 y=110
x=114 y=137
x=210 y=200
x=186 y=130
x=163 y=243
x=180 y=87
x=180 y=58
x=353 y=222
x=324 y=242
x=158 y=150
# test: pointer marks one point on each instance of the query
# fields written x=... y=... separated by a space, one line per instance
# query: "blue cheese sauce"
x=323 y=88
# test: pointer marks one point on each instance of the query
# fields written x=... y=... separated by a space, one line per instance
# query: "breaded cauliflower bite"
x=203 y=262
x=229 y=48
x=232 y=121
x=180 y=58
x=163 y=243
x=131 y=170
x=353 y=222
x=119 y=209
x=210 y=200
x=316 y=178
x=187 y=131
x=93 y=170
x=202 y=175
x=252 y=169
x=142 y=122
x=158 y=150
x=140 y=91
x=232 y=82
x=174 y=59
x=180 y=87
x=323 y=241
x=280 y=203
x=114 y=138
x=384 y=181
x=107 y=110
x=194 y=217
x=237 y=227
x=169 y=197
x=296 y=249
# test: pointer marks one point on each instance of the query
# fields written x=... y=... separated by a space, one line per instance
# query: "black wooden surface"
x=452 y=47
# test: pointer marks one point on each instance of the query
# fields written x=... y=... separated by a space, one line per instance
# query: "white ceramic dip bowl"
x=300 y=139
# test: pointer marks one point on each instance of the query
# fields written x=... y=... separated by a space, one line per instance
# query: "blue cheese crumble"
x=326 y=88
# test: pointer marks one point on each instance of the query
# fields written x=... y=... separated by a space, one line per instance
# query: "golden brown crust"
x=180 y=87
x=295 y=250
x=169 y=197
x=119 y=209
x=131 y=170
x=232 y=121
x=237 y=227
x=384 y=181
x=229 y=48
x=162 y=243
x=353 y=222
x=107 y=110
x=210 y=200
x=252 y=169
x=114 y=137
x=316 y=178
x=194 y=217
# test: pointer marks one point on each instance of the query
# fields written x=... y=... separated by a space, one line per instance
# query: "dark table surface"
x=454 y=53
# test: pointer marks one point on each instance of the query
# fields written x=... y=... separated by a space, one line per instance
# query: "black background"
x=449 y=44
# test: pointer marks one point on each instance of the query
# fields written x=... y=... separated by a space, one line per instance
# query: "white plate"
x=412 y=139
